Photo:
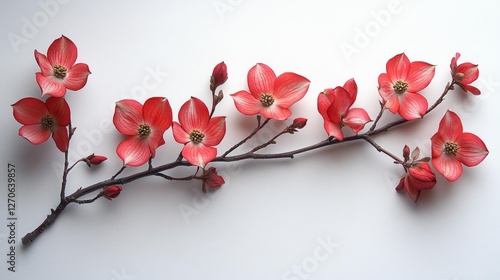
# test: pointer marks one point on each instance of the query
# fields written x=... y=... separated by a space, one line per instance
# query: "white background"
x=271 y=219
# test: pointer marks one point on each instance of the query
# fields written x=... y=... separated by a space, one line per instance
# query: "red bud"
x=96 y=160
x=111 y=192
x=219 y=76
x=299 y=123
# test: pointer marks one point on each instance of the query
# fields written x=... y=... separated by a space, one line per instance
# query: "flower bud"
x=111 y=192
x=406 y=153
x=95 y=160
x=212 y=179
x=219 y=76
x=299 y=123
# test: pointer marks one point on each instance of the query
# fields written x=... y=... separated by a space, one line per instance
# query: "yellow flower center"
x=451 y=148
x=196 y=136
x=400 y=87
x=48 y=122
x=60 y=71
x=266 y=99
x=144 y=131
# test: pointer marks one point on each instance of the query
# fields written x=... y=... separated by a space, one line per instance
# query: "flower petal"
x=198 y=154
x=412 y=106
x=325 y=99
x=352 y=88
x=158 y=113
x=43 y=62
x=289 y=88
x=34 y=133
x=386 y=91
x=29 y=110
x=453 y=63
x=128 y=116
x=398 y=67
x=62 y=52
x=215 y=131
x=471 y=149
x=133 y=151
x=180 y=135
x=470 y=71
x=51 y=85
x=356 y=118
x=333 y=130
x=59 y=109
x=412 y=192
x=472 y=89
x=340 y=105
x=61 y=138
x=76 y=77
x=193 y=115
x=420 y=75
x=246 y=103
x=261 y=80
x=448 y=166
x=275 y=112
x=450 y=126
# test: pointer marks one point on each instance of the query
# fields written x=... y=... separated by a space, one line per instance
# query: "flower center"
x=48 y=122
x=60 y=71
x=196 y=136
x=400 y=87
x=144 y=131
x=451 y=148
x=266 y=99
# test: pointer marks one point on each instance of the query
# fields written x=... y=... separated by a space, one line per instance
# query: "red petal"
x=158 y=113
x=180 y=135
x=215 y=131
x=261 y=80
x=412 y=192
x=421 y=176
x=34 y=133
x=51 y=85
x=275 y=112
x=412 y=105
x=128 y=116
x=352 y=88
x=386 y=91
x=333 y=130
x=470 y=71
x=76 y=78
x=59 y=109
x=193 y=115
x=246 y=103
x=471 y=149
x=29 y=110
x=454 y=60
x=61 y=138
x=43 y=62
x=437 y=144
x=133 y=151
x=289 y=88
x=340 y=105
x=400 y=186
x=450 y=127
x=198 y=154
x=448 y=166
x=471 y=89
x=356 y=119
x=420 y=75
x=398 y=67
x=325 y=99
x=62 y=52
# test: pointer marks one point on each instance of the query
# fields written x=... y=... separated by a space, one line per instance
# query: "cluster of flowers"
x=269 y=96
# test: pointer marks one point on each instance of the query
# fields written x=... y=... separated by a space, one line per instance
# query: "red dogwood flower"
x=59 y=71
x=41 y=120
x=144 y=126
x=334 y=106
x=269 y=95
x=399 y=87
x=464 y=74
x=451 y=147
x=418 y=174
x=198 y=132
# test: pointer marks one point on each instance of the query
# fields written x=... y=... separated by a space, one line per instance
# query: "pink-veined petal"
x=193 y=114
x=385 y=87
x=246 y=103
x=472 y=89
x=325 y=99
x=352 y=88
x=61 y=138
x=450 y=126
x=43 y=62
x=289 y=88
x=412 y=192
x=333 y=130
x=133 y=151
x=437 y=144
x=29 y=110
x=215 y=131
x=198 y=154
x=412 y=106
x=471 y=149
x=180 y=135
x=421 y=176
x=448 y=166
x=398 y=67
x=454 y=60
x=59 y=109
x=356 y=118
x=34 y=133
x=76 y=77
x=158 y=113
x=62 y=52
x=51 y=85
x=275 y=112
x=420 y=75
x=470 y=71
x=128 y=116
x=261 y=80
x=340 y=105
